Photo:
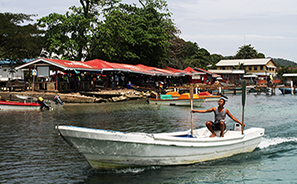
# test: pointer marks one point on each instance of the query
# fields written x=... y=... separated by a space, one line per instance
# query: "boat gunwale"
x=157 y=139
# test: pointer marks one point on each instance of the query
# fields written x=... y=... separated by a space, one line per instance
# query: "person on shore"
x=220 y=117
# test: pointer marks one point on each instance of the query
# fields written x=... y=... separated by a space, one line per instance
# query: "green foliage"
x=71 y=35
x=284 y=62
x=127 y=34
x=18 y=42
x=201 y=59
x=214 y=59
x=176 y=53
x=136 y=34
x=248 y=52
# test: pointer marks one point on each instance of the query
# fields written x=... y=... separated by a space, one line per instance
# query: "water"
x=32 y=151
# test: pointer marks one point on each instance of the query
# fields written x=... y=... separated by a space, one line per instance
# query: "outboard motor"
x=58 y=100
x=43 y=104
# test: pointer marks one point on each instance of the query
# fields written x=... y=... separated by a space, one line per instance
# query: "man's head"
x=221 y=102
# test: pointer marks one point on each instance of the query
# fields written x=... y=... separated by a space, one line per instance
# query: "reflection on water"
x=32 y=151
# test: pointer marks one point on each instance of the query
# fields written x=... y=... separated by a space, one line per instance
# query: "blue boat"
x=287 y=90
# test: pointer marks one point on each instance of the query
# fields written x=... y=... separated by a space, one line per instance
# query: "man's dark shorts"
x=216 y=125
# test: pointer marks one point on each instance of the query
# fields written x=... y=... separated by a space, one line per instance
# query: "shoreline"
x=103 y=96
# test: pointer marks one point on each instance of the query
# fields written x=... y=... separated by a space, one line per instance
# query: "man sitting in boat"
x=220 y=117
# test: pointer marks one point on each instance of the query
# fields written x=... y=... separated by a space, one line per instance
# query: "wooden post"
x=29 y=77
x=33 y=85
x=292 y=92
x=57 y=79
x=191 y=102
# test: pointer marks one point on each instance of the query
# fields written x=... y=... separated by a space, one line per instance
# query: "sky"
x=220 y=26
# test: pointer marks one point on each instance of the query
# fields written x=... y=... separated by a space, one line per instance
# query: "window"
x=261 y=68
x=255 y=67
x=250 y=68
x=43 y=71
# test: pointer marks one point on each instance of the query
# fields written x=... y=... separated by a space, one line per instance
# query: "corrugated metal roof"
x=290 y=75
x=227 y=71
x=246 y=62
x=64 y=64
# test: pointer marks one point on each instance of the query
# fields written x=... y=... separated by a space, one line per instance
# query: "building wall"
x=5 y=74
x=256 y=68
x=253 y=68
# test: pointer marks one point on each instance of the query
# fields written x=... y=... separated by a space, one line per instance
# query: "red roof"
x=104 y=65
x=64 y=64
x=101 y=65
x=157 y=71
x=70 y=64
x=191 y=71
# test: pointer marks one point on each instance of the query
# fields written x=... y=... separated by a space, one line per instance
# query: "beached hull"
x=178 y=102
x=110 y=149
x=8 y=105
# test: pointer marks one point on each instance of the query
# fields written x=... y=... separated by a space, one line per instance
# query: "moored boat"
x=202 y=95
x=288 y=90
x=11 y=105
x=105 y=149
x=182 y=100
x=209 y=97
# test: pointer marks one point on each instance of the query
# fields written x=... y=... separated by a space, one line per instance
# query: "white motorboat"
x=105 y=149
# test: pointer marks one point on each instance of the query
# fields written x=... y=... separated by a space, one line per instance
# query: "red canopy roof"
x=101 y=65
x=70 y=64
x=192 y=71
x=64 y=64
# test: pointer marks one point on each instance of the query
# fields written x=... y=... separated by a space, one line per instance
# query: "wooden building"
x=234 y=70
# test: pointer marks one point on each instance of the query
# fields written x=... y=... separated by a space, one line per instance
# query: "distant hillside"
x=284 y=62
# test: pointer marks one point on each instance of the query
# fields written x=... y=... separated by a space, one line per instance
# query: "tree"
x=136 y=35
x=248 y=52
x=127 y=33
x=214 y=59
x=176 y=53
x=73 y=35
x=200 y=59
x=17 y=41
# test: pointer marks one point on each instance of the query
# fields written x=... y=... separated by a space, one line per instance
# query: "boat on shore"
x=107 y=149
x=182 y=100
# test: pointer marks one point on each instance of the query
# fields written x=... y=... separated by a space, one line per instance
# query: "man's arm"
x=203 y=111
x=232 y=117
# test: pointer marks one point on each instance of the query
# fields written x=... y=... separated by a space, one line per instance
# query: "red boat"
x=10 y=105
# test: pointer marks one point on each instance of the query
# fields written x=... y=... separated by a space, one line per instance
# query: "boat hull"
x=109 y=149
x=8 y=105
x=287 y=90
x=177 y=102
x=210 y=98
